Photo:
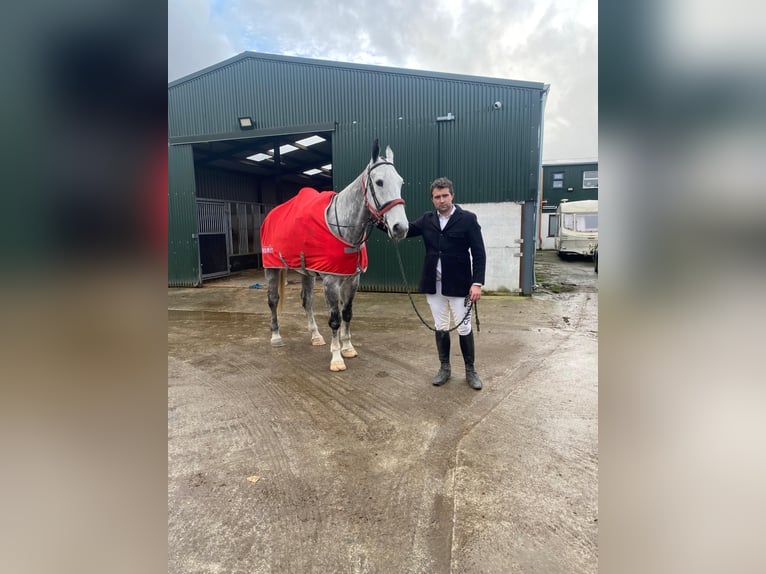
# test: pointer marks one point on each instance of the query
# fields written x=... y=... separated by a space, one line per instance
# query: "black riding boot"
x=467 y=347
x=443 y=346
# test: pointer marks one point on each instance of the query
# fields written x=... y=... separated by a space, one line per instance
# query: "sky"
x=548 y=41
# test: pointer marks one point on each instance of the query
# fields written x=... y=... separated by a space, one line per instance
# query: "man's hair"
x=443 y=182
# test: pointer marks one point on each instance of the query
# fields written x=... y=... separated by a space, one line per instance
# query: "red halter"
x=377 y=212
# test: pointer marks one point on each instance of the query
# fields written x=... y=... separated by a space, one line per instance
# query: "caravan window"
x=580 y=221
x=586 y=222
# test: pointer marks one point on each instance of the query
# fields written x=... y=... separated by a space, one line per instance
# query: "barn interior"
x=239 y=180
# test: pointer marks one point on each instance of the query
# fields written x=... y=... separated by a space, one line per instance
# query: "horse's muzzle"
x=398 y=231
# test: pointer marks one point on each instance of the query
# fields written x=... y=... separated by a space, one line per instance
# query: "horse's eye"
x=379 y=182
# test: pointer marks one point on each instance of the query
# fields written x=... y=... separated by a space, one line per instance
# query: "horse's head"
x=384 y=193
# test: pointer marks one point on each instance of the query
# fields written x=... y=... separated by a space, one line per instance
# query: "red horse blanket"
x=295 y=234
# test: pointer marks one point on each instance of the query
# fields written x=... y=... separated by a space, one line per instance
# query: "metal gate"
x=213 y=230
x=229 y=235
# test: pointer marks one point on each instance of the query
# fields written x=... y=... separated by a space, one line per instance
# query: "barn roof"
x=346 y=65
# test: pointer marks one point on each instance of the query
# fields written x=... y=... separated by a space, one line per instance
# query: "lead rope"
x=474 y=304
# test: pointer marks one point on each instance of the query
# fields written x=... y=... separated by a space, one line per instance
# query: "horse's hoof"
x=277 y=343
x=337 y=366
x=349 y=353
x=317 y=341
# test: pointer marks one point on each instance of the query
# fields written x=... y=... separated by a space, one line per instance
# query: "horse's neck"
x=348 y=213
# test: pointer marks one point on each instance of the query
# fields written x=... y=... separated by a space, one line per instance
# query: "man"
x=452 y=237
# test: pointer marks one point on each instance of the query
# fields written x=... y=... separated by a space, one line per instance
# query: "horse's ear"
x=375 y=151
x=389 y=154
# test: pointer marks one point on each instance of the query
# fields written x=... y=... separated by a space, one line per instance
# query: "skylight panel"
x=312 y=140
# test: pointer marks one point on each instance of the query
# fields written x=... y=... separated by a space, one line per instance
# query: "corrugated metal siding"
x=491 y=155
x=483 y=151
x=183 y=247
x=226 y=185
x=572 y=178
x=278 y=94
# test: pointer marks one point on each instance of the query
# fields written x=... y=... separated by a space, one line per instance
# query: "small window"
x=589 y=179
x=553 y=225
x=558 y=180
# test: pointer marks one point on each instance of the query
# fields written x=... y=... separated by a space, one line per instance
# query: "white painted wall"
x=501 y=227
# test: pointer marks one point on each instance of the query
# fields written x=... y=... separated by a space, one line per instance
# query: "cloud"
x=195 y=39
x=568 y=60
x=549 y=41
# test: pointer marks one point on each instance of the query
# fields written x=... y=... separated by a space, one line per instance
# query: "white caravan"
x=577 y=227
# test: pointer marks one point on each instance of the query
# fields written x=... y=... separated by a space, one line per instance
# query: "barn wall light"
x=246 y=123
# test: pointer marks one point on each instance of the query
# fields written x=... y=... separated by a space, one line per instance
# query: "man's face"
x=442 y=199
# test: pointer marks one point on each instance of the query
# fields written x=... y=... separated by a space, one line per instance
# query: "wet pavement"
x=276 y=464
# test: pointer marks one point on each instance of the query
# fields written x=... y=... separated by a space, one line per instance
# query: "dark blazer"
x=461 y=234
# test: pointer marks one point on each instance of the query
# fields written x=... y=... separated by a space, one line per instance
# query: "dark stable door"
x=212 y=253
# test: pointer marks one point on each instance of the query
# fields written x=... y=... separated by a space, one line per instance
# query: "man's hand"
x=475 y=293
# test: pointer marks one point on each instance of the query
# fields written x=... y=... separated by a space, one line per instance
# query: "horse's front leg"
x=274 y=280
x=347 y=289
x=346 y=348
x=307 y=298
x=333 y=307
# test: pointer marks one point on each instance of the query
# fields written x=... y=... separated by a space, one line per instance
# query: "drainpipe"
x=539 y=210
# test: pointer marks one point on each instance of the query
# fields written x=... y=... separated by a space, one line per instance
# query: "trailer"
x=577 y=232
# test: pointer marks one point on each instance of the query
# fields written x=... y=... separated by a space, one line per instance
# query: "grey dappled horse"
x=373 y=197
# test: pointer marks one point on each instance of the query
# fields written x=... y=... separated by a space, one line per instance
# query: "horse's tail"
x=281 y=289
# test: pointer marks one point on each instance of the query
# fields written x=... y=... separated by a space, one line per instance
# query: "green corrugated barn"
x=246 y=134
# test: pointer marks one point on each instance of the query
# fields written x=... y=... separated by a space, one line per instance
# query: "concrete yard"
x=278 y=465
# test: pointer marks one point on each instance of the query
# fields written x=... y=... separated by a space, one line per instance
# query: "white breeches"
x=445 y=308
